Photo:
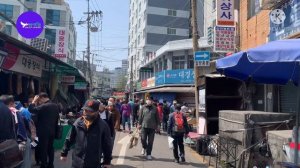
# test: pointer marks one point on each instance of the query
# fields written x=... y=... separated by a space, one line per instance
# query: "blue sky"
x=112 y=47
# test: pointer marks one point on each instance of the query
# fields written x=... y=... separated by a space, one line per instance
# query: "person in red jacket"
x=160 y=111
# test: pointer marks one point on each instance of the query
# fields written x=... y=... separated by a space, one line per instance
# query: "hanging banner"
x=151 y=82
x=225 y=13
x=80 y=86
x=224 y=39
x=61 y=45
x=68 y=79
x=22 y=62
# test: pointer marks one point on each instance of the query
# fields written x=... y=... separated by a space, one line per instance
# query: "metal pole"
x=88 y=48
x=296 y=154
x=195 y=48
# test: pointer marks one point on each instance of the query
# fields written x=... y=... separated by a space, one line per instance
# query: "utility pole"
x=88 y=47
x=83 y=64
x=131 y=78
x=195 y=48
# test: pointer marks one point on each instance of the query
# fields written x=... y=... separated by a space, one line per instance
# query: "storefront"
x=27 y=71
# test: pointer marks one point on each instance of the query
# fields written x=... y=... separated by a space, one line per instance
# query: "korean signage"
x=202 y=58
x=225 y=13
x=181 y=76
x=119 y=94
x=22 y=62
x=80 y=86
x=224 y=39
x=68 y=79
x=61 y=45
x=151 y=82
x=291 y=24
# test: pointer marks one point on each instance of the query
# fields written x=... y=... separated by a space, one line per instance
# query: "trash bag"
x=170 y=142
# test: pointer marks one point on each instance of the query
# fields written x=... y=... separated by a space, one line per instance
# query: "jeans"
x=27 y=155
x=124 y=120
x=178 y=142
x=165 y=124
x=148 y=139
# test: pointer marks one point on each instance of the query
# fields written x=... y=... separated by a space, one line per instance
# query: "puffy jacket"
x=89 y=144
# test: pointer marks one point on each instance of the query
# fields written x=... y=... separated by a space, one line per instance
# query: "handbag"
x=58 y=131
x=10 y=155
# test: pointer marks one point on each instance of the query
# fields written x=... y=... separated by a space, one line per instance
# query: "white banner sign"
x=224 y=39
x=29 y=65
x=68 y=79
x=225 y=13
x=61 y=45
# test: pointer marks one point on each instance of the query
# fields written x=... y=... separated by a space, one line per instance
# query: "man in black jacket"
x=91 y=136
x=48 y=116
x=107 y=117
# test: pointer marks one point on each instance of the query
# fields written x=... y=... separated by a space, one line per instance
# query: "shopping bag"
x=170 y=142
x=134 y=139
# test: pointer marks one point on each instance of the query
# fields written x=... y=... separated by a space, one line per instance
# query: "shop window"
x=254 y=7
x=7 y=10
x=53 y=17
x=178 y=62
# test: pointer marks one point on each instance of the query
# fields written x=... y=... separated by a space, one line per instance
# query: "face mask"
x=90 y=117
x=148 y=102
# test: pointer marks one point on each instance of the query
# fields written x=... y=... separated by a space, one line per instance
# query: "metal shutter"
x=288 y=98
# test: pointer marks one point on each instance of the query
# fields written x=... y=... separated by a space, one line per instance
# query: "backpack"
x=179 y=122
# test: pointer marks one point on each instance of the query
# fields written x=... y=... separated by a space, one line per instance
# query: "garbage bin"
x=59 y=143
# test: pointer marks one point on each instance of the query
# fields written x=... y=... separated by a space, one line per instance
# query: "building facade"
x=152 y=24
x=116 y=78
x=125 y=67
x=57 y=16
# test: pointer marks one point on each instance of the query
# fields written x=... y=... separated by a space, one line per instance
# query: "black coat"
x=47 y=118
x=110 y=122
x=89 y=144
x=6 y=124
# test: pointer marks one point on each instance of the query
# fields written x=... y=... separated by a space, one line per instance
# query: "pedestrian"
x=166 y=112
x=184 y=108
x=126 y=112
x=94 y=133
x=7 y=122
x=142 y=103
x=178 y=128
x=107 y=117
x=115 y=115
x=22 y=136
x=48 y=115
x=172 y=108
x=135 y=112
x=148 y=123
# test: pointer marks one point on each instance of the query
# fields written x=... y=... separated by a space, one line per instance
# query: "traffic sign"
x=202 y=58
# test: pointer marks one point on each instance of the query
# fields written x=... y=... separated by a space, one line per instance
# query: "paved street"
x=131 y=158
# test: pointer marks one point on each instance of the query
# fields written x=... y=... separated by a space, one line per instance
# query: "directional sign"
x=202 y=56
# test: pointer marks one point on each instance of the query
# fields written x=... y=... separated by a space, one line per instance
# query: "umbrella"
x=276 y=62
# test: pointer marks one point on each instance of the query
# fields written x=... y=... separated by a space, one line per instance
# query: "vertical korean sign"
x=224 y=39
x=61 y=45
x=225 y=13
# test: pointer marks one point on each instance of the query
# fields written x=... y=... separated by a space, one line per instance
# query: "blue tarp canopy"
x=273 y=63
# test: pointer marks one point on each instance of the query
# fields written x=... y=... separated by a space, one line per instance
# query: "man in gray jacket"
x=149 y=122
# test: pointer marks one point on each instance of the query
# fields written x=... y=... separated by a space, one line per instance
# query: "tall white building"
x=152 y=24
x=125 y=67
x=56 y=14
x=116 y=78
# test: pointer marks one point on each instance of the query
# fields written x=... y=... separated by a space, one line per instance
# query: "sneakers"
x=143 y=152
x=149 y=157
x=182 y=159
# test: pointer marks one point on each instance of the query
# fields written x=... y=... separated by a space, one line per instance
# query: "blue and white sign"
x=202 y=58
x=180 y=76
x=291 y=24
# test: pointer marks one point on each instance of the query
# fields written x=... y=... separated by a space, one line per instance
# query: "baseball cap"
x=91 y=105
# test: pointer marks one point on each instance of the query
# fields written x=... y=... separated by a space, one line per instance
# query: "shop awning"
x=59 y=66
x=169 y=89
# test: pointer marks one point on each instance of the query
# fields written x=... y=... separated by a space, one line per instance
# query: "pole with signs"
x=195 y=48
